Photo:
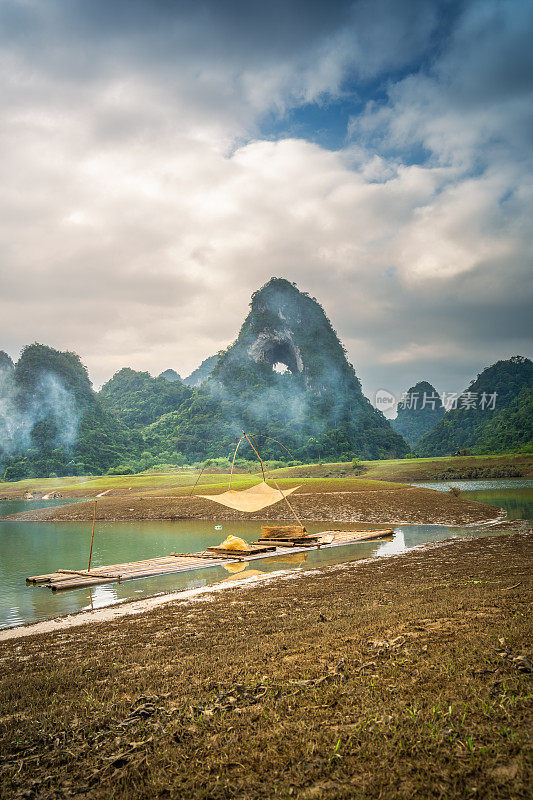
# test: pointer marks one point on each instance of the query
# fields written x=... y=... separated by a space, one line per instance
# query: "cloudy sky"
x=161 y=160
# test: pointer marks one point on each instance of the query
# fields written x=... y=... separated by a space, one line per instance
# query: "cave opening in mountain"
x=281 y=368
x=282 y=358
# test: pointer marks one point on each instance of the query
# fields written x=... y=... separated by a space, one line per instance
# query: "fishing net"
x=253 y=499
x=234 y=543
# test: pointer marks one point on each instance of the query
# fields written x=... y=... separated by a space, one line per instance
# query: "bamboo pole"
x=254 y=448
x=233 y=462
x=92 y=536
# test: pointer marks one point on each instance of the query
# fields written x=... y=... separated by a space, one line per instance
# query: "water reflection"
x=245 y=573
x=514 y=495
x=37 y=548
x=394 y=546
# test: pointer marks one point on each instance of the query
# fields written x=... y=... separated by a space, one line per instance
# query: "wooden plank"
x=241 y=553
x=197 y=555
x=291 y=543
x=295 y=542
x=85 y=573
x=358 y=536
x=282 y=531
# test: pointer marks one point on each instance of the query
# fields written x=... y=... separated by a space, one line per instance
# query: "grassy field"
x=376 y=491
x=406 y=677
x=179 y=481
x=424 y=469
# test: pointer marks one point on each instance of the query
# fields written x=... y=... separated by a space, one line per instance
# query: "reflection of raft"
x=184 y=562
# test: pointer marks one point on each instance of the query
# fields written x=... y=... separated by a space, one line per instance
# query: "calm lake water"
x=37 y=548
x=515 y=495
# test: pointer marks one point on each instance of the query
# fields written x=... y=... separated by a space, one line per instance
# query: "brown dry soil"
x=404 y=677
x=326 y=500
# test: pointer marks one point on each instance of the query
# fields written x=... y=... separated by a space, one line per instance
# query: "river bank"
x=319 y=500
x=404 y=470
x=304 y=687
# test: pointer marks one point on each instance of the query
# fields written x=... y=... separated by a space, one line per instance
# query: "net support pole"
x=254 y=448
x=233 y=462
x=92 y=538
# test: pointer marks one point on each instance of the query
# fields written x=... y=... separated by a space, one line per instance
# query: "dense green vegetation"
x=170 y=375
x=137 y=399
x=418 y=412
x=53 y=422
x=201 y=373
x=285 y=378
x=488 y=427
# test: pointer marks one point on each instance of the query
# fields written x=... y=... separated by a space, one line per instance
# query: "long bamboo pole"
x=92 y=536
x=254 y=448
x=233 y=462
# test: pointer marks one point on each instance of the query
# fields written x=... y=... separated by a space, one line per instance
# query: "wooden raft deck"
x=63 y=579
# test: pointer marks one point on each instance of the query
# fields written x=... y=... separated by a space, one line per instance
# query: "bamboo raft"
x=63 y=579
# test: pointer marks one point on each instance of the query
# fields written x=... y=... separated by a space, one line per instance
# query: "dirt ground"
x=340 y=501
x=401 y=677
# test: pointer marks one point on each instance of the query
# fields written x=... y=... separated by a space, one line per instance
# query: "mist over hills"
x=201 y=373
x=286 y=376
x=51 y=421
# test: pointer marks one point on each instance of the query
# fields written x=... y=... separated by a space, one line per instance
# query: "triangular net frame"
x=255 y=498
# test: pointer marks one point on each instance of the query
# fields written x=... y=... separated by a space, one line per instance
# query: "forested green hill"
x=52 y=421
x=137 y=399
x=493 y=414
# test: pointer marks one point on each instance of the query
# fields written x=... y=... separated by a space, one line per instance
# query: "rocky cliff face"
x=286 y=375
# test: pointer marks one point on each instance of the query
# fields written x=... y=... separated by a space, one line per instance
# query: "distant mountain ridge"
x=285 y=376
x=170 y=375
x=493 y=413
x=418 y=413
x=201 y=373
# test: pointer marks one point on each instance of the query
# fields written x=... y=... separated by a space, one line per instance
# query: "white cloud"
x=138 y=213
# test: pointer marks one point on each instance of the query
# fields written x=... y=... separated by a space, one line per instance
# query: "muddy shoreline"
x=395 y=505
x=149 y=603
x=405 y=676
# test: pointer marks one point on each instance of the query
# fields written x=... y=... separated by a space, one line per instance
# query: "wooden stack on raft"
x=252 y=550
x=287 y=536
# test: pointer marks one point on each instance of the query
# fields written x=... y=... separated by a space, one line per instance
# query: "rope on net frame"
x=254 y=447
x=238 y=439
x=253 y=444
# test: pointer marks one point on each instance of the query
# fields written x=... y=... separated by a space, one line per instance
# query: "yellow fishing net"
x=253 y=499
x=234 y=543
